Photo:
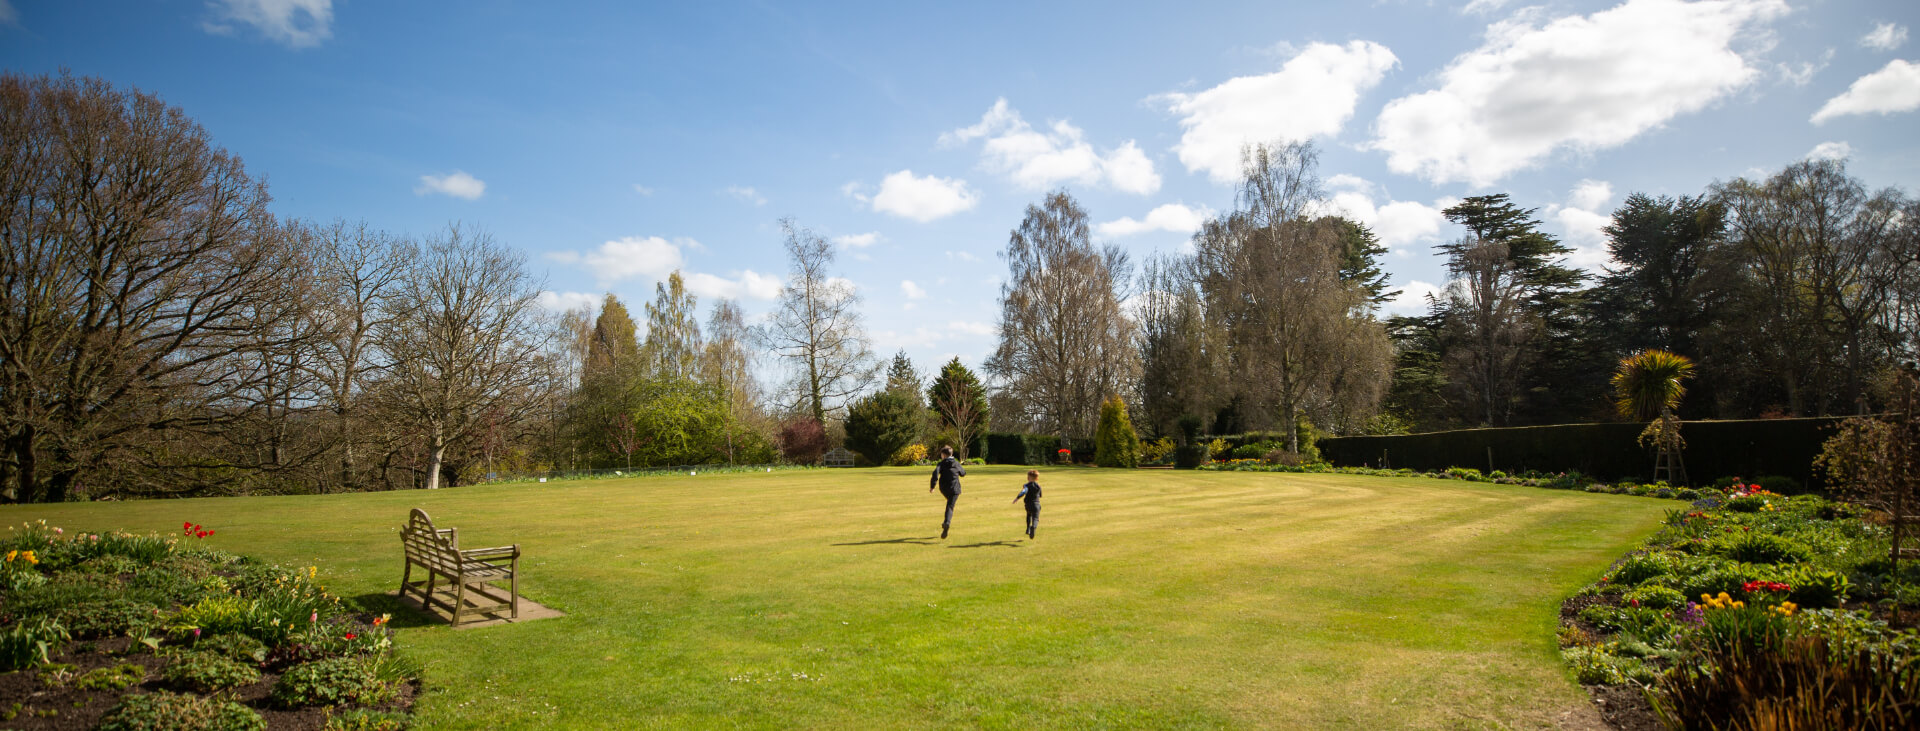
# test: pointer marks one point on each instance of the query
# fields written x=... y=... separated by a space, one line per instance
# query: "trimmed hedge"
x=1016 y=448
x=1748 y=449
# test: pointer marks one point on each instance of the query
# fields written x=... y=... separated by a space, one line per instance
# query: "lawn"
x=825 y=599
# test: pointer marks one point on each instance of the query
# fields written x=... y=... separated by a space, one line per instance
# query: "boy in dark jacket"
x=1031 y=493
x=946 y=476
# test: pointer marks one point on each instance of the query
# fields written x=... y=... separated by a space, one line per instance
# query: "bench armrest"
x=512 y=551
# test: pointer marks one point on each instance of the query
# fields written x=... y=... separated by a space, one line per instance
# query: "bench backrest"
x=436 y=548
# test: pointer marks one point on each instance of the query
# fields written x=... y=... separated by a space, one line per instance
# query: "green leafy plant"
x=1818 y=589
x=206 y=672
x=235 y=647
x=117 y=677
x=1759 y=547
x=1115 y=444
x=338 y=681
x=26 y=642
x=165 y=711
x=361 y=719
x=109 y=618
x=1656 y=597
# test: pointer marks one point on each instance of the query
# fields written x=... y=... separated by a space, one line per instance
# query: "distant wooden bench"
x=437 y=552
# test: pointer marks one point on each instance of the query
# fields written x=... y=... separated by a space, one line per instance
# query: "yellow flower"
x=11 y=554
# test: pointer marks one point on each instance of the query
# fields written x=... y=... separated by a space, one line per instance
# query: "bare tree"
x=467 y=341
x=1177 y=349
x=816 y=328
x=728 y=364
x=138 y=266
x=1066 y=344
x=356 y=270
x=1271 y=278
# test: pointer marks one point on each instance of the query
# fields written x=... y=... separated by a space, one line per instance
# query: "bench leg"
x=405 y=574
x=459 y=599
x=426 y=598
x=514 y=579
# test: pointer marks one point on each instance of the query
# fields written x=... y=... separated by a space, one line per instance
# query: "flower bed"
x=118 y=631
x=1754 y=611
x=1553 y=481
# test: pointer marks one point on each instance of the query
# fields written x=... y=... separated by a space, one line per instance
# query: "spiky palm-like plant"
x=1649 y=382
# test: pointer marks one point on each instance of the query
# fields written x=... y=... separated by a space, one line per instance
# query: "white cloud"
x=962 y=256
x=746 y=284
x=1398 y=224
x=565 y=301
x=1172 y=217
x=970 y=328
x=1830 y=151
x=633 y=256
x=911 y=290
x=296 y=23
x=1412 y=299
x=1312 y=95
x=1582 y=220
x=1885 y=37
x=857 y=241
x=747 y=194
x=922 y=199
x=457 y=184
x=1802 y=74
x=1036 y=160
x=1895 y=88
x=642 y=190
x=1579 y=83
x=1483 y=6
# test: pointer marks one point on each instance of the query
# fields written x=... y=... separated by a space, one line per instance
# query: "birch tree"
x=816 y=328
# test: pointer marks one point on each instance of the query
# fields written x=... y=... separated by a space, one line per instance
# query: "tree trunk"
x=21 y=443
x=435 y=455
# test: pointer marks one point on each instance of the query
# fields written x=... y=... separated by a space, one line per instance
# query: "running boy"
x=1031 y=492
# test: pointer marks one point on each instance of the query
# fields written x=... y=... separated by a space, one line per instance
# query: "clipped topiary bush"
x=1115 y=442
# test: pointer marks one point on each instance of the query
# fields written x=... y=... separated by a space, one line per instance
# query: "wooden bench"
x=437 y=552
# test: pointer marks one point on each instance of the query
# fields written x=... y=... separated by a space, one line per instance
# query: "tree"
x=1826 y=256
x=959 y=405
x=816 y=328
x=1661 y=295
x=614 y=347
x=1360 y=253
x=1177 y=349
x=139 y=268
x=357 y=271
x=466 y=341
x=728 y=364
x=1649 y=383
x=881 y=424
x=1115 y=443
x=1488 y=329
x=803 y=440
x=1065 y=341
x=672 y=347
x=1298 y=334
x=903 y=377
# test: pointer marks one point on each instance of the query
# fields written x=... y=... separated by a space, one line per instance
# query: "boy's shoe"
x=943 y=532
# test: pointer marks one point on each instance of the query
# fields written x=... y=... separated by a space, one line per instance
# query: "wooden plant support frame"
x=470 y=574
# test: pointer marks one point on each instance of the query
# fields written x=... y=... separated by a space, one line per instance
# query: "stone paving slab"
x=529 y=610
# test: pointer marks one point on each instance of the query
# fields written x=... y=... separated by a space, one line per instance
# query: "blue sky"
x=614 y=142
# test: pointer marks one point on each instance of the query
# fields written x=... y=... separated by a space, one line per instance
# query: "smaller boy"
x=1031 y=492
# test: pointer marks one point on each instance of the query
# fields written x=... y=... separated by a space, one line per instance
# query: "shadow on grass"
x=1007 y=544
x=403 y=616
x=927 y=541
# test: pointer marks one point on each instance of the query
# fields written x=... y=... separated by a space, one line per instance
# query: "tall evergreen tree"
x=613 y=345
x=959 y=404
x=1360 y=261
x=903 y=377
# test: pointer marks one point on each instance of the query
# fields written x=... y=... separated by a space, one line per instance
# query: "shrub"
x=1256 y=450
x=109 y=618
x=235 y=647
x=1747 y=504
x=1780 y=485
x=1657 y=597
x=1687 y=493
x=1801 y=683
x=1284 y=457
x=117 y=677
x=164 y=711
x=361 y=719
x=339 y=681
x=207 y=672
x=26 y=642
x=1815 y=589
x=1601 y=665
x=217 y=615
x=1464 y=473
x=908 y=455
x=1115 y=442
x=1756 y=547
x=1218 y=449
x=1636 y=570
x=112 y=565
x=1189 y=456
x=1158 y=451
x=803 y=440
x=882 y=424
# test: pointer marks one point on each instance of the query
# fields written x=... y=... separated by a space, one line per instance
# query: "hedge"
x=1748 y=449
x=1016 y=448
